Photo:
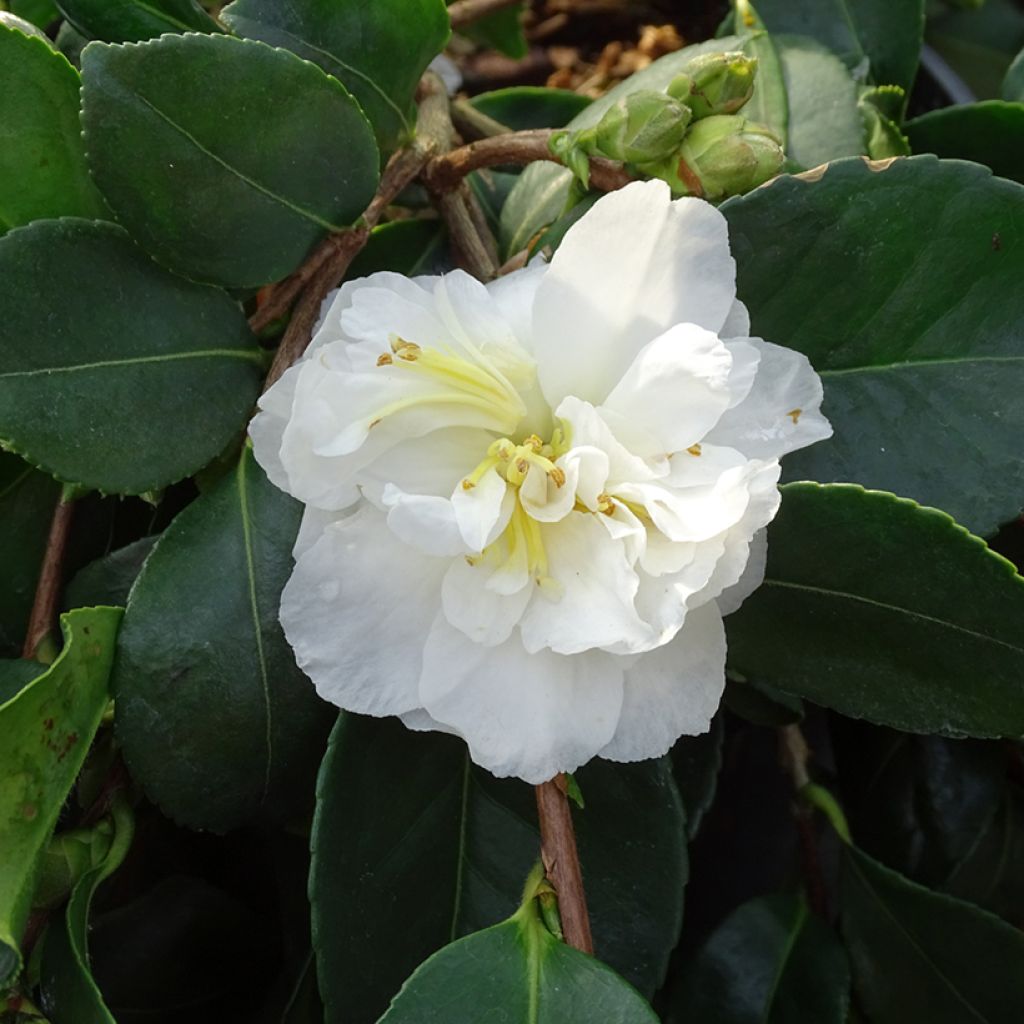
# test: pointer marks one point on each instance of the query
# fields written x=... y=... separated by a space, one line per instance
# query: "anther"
x=694 y=449
x=384 y=360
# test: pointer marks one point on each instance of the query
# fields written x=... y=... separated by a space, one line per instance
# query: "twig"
x=44 y=606
x=795 y=755
x=465 y=12
x=562 y=862
x=469 y=233
x=474 y=124
x=322 y=271
x=443 y=173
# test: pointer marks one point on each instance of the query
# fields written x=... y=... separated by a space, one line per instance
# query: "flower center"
x=513 y=461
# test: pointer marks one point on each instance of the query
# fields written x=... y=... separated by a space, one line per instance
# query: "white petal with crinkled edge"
x=781 y=413
x=528 y=715
x=312 y=525
x=484 y=614
x=750 y=579
x=514 y=294
x=424 y=521
x=737 y=323
x=676 y=388
x=593 y=606
x=357 y=611
x=633 y=266
x=482 y=511
x=672 y=691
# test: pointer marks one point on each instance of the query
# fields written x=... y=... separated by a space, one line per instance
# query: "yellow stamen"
x=384 y=360
x=794 y=414
x=694 y=449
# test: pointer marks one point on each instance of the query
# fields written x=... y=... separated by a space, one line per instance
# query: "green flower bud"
x=69 y=856
x=642 y=127
x=720 y=83
x=725 y=155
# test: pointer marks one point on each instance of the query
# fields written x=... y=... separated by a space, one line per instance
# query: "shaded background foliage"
x=178 y=882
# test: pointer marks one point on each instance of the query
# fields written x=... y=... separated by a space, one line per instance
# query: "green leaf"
x=520 y=107
x=216 y=721
x=990 y=133
x=516 y=971
x=47 y=729
x=502 y=30
x=771 y=961
x=888 y=611
x=15 y=675
x=875 y=38
x=70 y=994
x=126 y=21
x=107 y=580
x=919 y=353
x=42 y=159
x=40 y=12
x=407 y=247
x=806 y=88
x=696 y=762
x=761 y=704
x=1013 y=83
x=456 y=844
x=226 y=159
x=921 y=956
x=97 y=398
x=377 y=50
x=27 y=501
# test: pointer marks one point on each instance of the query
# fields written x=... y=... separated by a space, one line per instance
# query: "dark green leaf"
x=1013 y=83
x=921 y=956
x=520 y=107
x=457 y=844
x=771 y=961
x=696 y=761
x=108 y=579
x=407 y=247
x=97 y=399
x=919 y=804
x=125 y=21
x=226 y=159
x=762 y=704
x=216 y=721
x=919 y=352
x=502 y=30
x=377 y=50
x=70 y=994
x=15 y=675
x=47 y=729
x=27 y=501
x=990 y=133
x=888 y=611
x=876 y=38
x=516 y=971
x=42 y=159
x=39 y=12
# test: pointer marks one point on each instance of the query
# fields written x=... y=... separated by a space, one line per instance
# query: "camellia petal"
x=635 y=265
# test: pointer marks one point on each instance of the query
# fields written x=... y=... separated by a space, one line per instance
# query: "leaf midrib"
x=913 y=364
x=909 y=612
x=249 y=355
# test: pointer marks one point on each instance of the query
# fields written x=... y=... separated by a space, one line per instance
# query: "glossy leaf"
x=377 y=50
x=990 y=133
x=918 y=955
x=409 y=247
x=771 y=961
x=501 y=30
x=516 y=971
x=696 y=761
x=42 y=160
x=941 y=613
x=41 y=13
x=108 y=580
x=97 y=399
x=225 y=159
x=216 y=721
x=16 y=674
x=875 y=38
x=47 y=729
x=27 y=501
x=125 y=21
x=762 y=704
x=70 y=994
x=919 y=353
x=520 y=107
x=806 y=89
x=1013 y=83
x=457 y=844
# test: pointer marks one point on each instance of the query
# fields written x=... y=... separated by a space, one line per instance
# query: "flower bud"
x=642 y=127
x=725 y=155
x=718 y=83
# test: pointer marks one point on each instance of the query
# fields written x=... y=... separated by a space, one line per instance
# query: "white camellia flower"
x=529 y=504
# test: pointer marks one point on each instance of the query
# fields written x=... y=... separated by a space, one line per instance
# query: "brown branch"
x=465 y=12
x=327 y=266
x=562 y=862
x=44 y=607
x=795 y=755
x=443 y=173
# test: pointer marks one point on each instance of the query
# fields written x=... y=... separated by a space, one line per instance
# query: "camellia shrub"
x=443 y=537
